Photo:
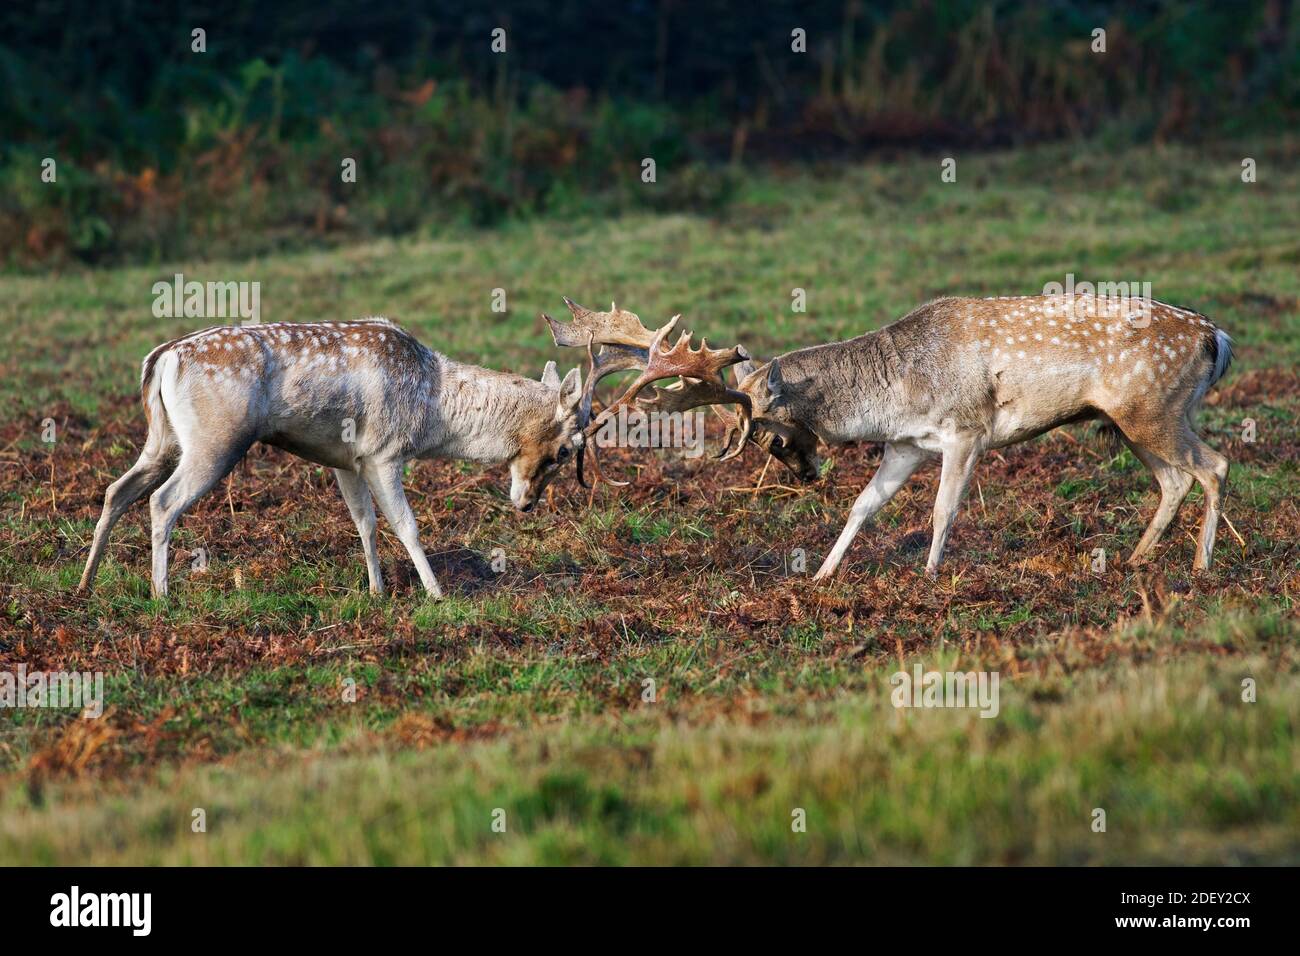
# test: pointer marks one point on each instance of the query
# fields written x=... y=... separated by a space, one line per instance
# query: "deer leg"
x=958 y=463
x=898 y=465
x=1211 y=470
x=362 y=508
x=149 y=471
x=385 y=481
x=1181 y=447
x=1174 y=485
x=193 y=478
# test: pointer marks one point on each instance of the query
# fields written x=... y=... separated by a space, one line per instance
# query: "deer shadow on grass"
x=466 y=573
x=460 y=571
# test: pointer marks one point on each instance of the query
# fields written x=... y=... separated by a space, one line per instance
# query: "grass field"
x=521 y=696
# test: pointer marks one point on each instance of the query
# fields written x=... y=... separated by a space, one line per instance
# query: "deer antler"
x=758 y=436
x=615 y=327
x=623 y=342
x=626 y=344
x=702 y=364
x=686 y=394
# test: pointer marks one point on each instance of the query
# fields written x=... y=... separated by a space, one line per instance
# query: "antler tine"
x=746 y=420
x=759 y=437
x=741 y=425
x=600 y=475
x=703 y=363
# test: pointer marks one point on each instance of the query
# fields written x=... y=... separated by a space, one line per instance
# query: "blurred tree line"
x=160 y=148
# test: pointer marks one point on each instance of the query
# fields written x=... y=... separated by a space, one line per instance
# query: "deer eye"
x=563 y=454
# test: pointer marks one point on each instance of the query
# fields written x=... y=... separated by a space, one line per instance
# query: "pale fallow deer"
x=959 y=376
x=363 y=398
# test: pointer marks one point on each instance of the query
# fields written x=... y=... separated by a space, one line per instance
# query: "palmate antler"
x=684 y=395
x=701 y=369
x=626 y=344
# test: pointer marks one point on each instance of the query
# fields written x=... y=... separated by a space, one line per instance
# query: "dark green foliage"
x=164 y=151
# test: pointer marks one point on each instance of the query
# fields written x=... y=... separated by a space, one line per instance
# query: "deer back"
x=1009 y=367
x=332 y=392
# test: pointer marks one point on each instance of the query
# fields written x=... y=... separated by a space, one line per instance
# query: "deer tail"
x=156 y=363
x=1219 y=349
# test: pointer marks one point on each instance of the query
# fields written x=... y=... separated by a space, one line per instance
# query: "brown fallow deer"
x=959 y=376
x=363 y=398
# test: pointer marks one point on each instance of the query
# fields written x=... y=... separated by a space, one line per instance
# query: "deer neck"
x=856 y=390
x=483 y=415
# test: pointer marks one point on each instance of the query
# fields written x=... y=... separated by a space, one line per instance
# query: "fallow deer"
x=959 y=376
x=363 y=398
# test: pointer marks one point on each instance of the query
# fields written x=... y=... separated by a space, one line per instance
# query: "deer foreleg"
x=385 y=481
x=898 y=465
x=959 y=459
x=362 y=508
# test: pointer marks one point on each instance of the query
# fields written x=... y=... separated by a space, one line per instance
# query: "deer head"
x=547 y=442
x=625 y=344
x=776 y=429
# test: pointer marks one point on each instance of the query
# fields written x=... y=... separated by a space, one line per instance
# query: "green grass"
x=867 y=244
x=315 y=724
x=1204 y=777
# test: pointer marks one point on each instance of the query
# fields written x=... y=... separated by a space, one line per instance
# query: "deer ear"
x=550 y=378
x=775 y=381
x=570 y=395
x=746 y=368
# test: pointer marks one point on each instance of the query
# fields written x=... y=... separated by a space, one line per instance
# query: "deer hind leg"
x=1181 y=447
x=958 y=463
x=898 y=465
x=196 y=474
x=385 y=481
x=1211 y=470
x=149 y=471
x=362 y=508
x=1174 y=485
